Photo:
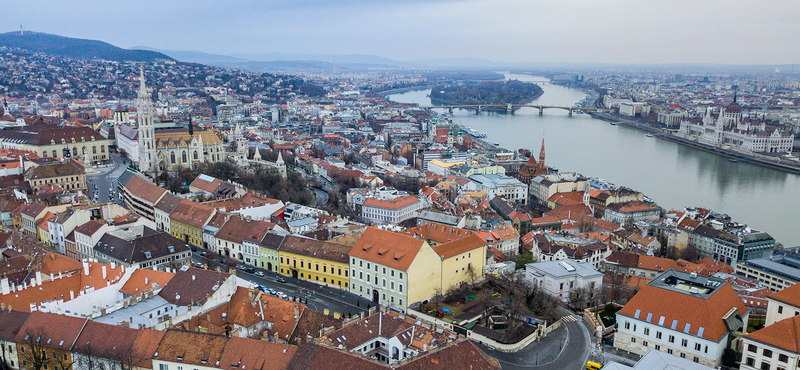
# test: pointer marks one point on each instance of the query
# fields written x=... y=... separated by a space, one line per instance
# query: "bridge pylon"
x=570 y=112
x=478 y=111
x=541 y=111
x=508 y=109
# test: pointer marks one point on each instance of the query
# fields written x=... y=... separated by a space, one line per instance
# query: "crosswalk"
x=570 y=318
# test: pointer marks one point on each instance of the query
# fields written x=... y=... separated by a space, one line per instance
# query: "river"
x=673 y=175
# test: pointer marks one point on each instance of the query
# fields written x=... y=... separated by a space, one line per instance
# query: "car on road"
x=197 y=264
x=249 y=269
x=280 y=280
x=261 y=288
x=259 y=273
x=272 y=291
x=203 y=253
x=282 y=295
x=194 y=249
x=240 y=267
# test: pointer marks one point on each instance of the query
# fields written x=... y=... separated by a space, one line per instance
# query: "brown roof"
x=237 y=229
x=437 y=232
x=790 y=295
x=191 y=348
x=192 y=213
x=462 y=355
x=57 y=169
x=145 y=345
x=387 y=248
x=168 y=203
x=310 y=323
x=90 y=227
x=56 y=331
x=395 y=203
x=192 y=285
x=209 y=186
x=459 y=246
x=142 y=280
x=143 y=189
x=319 y=357
x=686 y=309
x=244 y=353
x=10 y=323
x=32 y=210
x=315 y=248
x=784 y=334
x=105 y=340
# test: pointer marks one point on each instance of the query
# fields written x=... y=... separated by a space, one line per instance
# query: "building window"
x=783 y=358
x=764 y=365
x=750 y=361
x=657 y=347
x=697 y=346
x=672 y=339
x=644 y=343
x=627 y=325
x=751 y=348
x=633 y=339
x=683 y=355
x=767 y=353
x=658 y=335
x=780 y=309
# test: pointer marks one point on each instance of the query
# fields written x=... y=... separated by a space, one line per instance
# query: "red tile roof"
x=686 y=309
x=387 y=248
x=790 y=295
x=784 y=334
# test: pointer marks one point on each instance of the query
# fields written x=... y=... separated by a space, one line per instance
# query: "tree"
x=32 y=350
x=472 y=274
x=524 y=258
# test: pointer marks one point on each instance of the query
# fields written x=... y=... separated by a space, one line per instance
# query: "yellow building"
x=315 y=260
x=187 y=221
x=44 y=229
x=394 y=269
x=462 y=252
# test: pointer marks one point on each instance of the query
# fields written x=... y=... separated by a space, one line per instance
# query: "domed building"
x=729 y=128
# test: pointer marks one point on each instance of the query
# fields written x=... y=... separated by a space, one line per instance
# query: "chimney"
x=146 y=280
x=113 y=265
x=193 y=277
x=4 y=286
x=86 y=267
x=296 y=311
x=104 y=272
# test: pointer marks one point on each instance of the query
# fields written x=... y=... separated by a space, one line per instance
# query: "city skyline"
x=616 y=32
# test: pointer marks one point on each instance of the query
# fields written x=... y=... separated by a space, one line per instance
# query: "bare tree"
x=32 y=350
x=472 y=274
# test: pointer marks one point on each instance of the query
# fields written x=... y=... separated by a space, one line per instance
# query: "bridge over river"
x=511 y=107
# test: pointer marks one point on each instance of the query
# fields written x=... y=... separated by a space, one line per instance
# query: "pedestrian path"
x=570 y=318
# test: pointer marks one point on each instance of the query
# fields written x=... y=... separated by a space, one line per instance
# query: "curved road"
x=572 y=341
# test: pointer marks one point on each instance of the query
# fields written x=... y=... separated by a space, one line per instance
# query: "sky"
x=509 y=31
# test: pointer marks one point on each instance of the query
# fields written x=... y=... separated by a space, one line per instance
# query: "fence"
x=540 y=332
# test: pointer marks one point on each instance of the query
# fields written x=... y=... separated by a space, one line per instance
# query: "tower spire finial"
x=734 y=96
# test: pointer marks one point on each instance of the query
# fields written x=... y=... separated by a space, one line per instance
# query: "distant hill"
x=76 y=48
x=194 y=56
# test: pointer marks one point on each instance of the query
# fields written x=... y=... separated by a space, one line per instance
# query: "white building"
x=637 y=109
x=395 y=211
x=774 y=347
x=783 y=304
x=500 y=185
x=686 y=315
x=561 y=278
x=729 y=129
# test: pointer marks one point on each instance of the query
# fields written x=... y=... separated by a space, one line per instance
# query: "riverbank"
x=776 y=163
x=402 y=90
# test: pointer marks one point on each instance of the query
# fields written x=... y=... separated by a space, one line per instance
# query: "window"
x=750 y=361
x=163 y=367
x=669 y=350
x=783 y=358
x=633 y=339
x=644 y=343
x=751 y=348
x=657 y=347
x=764 y=365
x=401 y=275
x=697 y=346
x=672 y=339
x=627 y=325
x=646 y=331
x=658 y=335
x=767 y=353
x=400 y=286
x=683 y=355
x=780 y=309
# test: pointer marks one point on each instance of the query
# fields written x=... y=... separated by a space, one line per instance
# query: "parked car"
x=249 y=269
x=240 y=267
x=282 y=295
x=194 y=249
x=260 y=273
x=261 y=288
x=280 y=280
x=203 y=253
x=272 y=291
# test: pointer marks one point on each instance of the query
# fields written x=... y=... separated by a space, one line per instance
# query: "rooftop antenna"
x=20 y=30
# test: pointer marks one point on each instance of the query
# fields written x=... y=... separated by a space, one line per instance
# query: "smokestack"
x=86 y=267
x=105 y=274
x=296 y=311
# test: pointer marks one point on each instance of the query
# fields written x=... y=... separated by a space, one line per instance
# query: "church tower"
x=144 y=115
x=281 y=165
x=540 y=165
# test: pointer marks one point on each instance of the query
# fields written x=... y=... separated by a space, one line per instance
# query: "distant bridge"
x=511 y=107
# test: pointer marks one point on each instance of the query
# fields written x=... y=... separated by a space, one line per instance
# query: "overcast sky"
x=603 y=31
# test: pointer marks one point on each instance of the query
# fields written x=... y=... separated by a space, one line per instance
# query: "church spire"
x=541 y=155
x=734 y=96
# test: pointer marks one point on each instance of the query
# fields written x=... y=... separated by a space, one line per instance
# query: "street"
x=105 y=178
x=565 y=348
x=315 y=296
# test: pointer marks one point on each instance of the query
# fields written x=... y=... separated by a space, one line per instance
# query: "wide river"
x=673 y=175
